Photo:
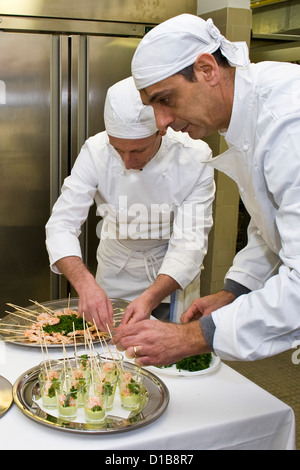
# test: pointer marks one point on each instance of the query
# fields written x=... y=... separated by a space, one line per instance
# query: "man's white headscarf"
x=125 y=115
x=176 y=43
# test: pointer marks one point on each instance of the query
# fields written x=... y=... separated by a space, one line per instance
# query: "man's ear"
x=207 y=67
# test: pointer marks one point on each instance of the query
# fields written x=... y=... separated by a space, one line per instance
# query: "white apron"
x=122 y=270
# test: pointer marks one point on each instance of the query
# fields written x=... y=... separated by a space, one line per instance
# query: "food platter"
x=26 y=395
x=174 y=372
x=13 y=323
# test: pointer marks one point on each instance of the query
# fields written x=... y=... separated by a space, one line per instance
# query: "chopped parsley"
x=107 y=389
x=134 y=387
x=193 y=363
x=65 y=325
x=55 y=386
x=72 y=394
x=96 y=408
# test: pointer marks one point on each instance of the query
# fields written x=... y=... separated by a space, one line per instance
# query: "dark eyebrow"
x=155 y=96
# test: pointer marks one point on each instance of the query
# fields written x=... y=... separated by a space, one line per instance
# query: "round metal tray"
x=26 y=392
x=118 y=306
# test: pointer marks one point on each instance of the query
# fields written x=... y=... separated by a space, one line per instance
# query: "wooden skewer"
x=75 y=348
x=46 y=309
x=12 y=332
x=93 y=355
x=43 y=335
x=19 y=316
x=13 y=339
x=13 y=325
x=116 y=348
x=66 y=356
x=44 y=358
x=31 y=313
x=84 y=334
x=115 y=362
x=22 y=308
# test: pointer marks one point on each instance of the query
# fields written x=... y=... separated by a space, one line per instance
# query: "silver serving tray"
x=118 y=305
x=26 y=391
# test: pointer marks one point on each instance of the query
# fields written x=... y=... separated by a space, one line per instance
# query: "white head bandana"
x=125 y=115
x=176 y=43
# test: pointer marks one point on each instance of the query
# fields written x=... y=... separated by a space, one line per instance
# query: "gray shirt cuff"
x=208 y=330
x=207 y=324
x=235 y=288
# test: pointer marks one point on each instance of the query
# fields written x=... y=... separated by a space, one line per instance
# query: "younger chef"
x=155 y=197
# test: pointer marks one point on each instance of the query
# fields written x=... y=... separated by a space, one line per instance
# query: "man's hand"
x=96 y=305
x=93 y=301
x=206 y=305
x=152 y=342
x=139 y=309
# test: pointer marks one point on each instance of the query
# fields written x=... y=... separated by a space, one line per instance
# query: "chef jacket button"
x=242 y=190
x=246 y=147
x=164 y=173
x=258 y=232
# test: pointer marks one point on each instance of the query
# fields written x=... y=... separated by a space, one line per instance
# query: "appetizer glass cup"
x=50 y=382
x=87 y=363
x=111 y=364
x=94 y=404
x=131 y=389
x=107 y=385
x=79 y=380
x=67 y=402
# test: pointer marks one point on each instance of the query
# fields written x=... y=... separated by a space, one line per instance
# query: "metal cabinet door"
x=24 y=166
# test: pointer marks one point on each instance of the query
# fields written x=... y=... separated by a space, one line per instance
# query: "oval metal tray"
x=118 y=306
x=26 y=392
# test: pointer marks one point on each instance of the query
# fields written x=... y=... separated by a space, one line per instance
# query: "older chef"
x=199 y=82
x=155 y=198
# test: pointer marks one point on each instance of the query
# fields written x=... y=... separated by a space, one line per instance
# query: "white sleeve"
x=193 y=221
x=266 y=321
x=255 y=263
x=71 y=210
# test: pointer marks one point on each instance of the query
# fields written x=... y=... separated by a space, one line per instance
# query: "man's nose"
x=163 y=119
x=128 y=160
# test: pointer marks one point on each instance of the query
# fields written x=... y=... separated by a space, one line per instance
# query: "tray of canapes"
x=91 y=393
x=54 y=322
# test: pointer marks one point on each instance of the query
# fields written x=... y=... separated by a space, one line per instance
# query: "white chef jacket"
x=264 y=160
x=139 y=237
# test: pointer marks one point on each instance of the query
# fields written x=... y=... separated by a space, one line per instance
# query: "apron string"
x=149 y=259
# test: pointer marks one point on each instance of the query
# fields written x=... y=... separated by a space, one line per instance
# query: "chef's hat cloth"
x=125 y=115
x=176 y=43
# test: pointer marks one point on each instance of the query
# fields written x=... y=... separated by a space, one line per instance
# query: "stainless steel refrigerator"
x=52 y=91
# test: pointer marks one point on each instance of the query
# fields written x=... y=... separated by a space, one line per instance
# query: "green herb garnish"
x=134 y=387
x=72 y=394
x=84 y=360
x=107 y=389
x=96 y=408
x=65 y=325
x=193 y=363
x=55 y=386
